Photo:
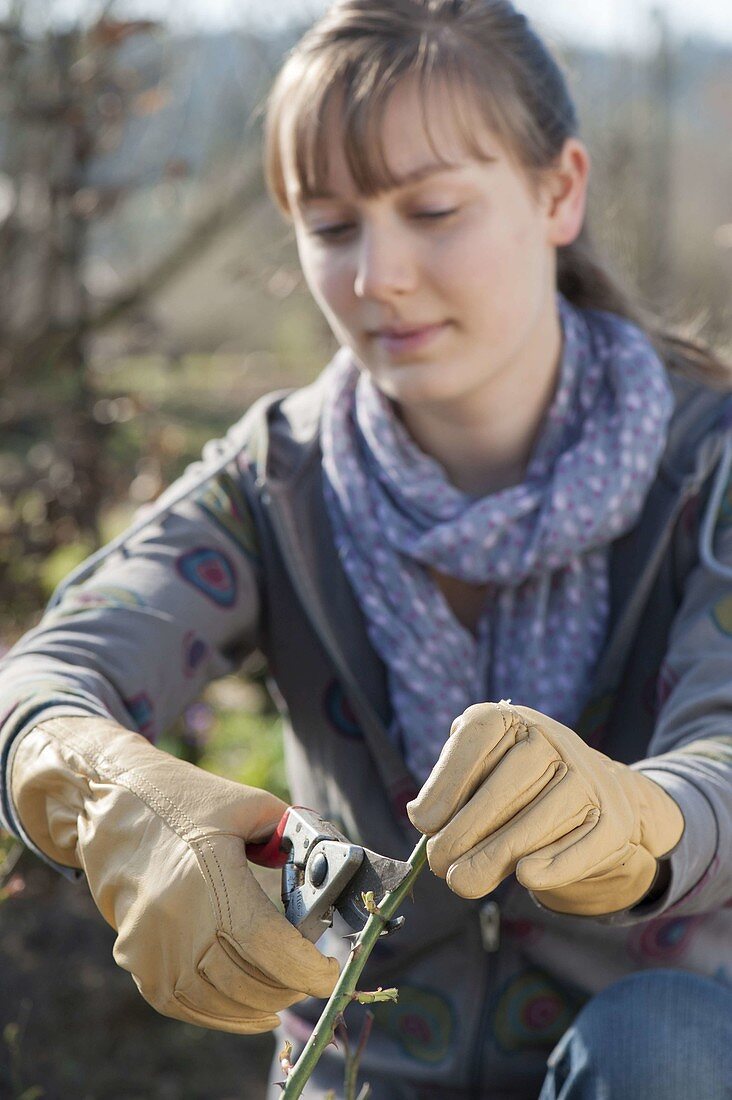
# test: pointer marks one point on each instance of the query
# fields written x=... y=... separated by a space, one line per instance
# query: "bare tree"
x=60 y=98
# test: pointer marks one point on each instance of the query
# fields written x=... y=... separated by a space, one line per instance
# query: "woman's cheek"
x=322 y=278
x=333 y=295
x=474 y=268
x=335 y=303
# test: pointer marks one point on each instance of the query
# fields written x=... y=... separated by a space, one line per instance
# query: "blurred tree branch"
x=66 y=97
x=220 y=214
x=55 y=93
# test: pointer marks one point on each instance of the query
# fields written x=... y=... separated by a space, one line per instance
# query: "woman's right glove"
x=162 y=844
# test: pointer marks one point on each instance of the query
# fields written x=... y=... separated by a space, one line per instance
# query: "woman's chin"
x=414 y=382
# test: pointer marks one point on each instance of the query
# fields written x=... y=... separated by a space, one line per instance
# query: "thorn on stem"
x=340 y=1026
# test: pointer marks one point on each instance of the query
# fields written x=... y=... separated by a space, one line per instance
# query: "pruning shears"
x=324 y=873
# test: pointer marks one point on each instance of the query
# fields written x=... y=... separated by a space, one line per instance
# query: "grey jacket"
x=238 y=556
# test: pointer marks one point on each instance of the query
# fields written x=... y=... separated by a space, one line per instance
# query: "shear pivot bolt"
x=318 y=870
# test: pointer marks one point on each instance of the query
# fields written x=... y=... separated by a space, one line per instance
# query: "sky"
x=603 y=23
x=629 y=23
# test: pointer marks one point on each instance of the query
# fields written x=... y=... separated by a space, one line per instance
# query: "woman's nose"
x=386 y=265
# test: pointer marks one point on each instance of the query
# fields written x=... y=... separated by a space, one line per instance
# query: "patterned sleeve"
x=690 y=754
x=176 y=606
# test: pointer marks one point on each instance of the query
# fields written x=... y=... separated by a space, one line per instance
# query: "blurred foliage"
x=8 y=852
x=157 y=417
x=12 y=884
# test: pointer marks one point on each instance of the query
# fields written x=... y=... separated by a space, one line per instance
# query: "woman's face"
x=441 y=283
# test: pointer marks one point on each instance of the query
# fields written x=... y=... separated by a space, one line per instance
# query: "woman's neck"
x=484 y=440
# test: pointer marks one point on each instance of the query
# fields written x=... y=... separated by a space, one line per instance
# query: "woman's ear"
x=565 y=193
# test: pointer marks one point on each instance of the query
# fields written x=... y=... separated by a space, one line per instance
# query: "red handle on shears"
x=270 y=853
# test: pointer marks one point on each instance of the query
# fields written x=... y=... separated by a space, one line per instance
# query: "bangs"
x=358 y=89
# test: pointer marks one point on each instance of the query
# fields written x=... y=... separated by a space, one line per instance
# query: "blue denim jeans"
x=655 y=1035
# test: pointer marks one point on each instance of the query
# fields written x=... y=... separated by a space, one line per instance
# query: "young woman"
x=488 y=558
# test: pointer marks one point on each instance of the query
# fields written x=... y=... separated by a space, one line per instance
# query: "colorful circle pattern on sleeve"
x=211 y=572
x=195 y=652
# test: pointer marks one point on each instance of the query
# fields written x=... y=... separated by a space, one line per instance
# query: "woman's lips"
x=397 y=342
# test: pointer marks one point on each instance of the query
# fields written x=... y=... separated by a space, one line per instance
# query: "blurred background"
x=149 y=292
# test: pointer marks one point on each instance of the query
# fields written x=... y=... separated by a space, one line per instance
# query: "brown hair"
x=486 y=55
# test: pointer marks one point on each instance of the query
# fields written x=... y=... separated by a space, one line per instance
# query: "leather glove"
x=513 y=790
x=163 y=847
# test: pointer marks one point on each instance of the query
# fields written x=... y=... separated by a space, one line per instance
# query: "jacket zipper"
x=489 y=915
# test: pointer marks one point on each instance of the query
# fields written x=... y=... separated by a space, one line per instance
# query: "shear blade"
x=377 y=874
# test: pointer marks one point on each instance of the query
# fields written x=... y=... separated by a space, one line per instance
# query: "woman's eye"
x=338 y=231
x=332 y=232
x=435 y=215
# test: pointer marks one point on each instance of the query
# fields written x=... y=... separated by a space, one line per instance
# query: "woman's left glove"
x=513 y=790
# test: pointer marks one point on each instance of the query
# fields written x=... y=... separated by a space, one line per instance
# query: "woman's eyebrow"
x=415 y=175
